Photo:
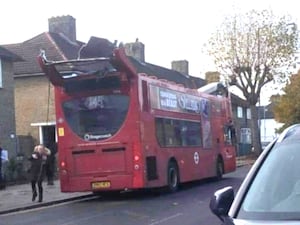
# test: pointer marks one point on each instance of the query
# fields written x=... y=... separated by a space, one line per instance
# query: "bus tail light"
x=136 y=158
x=136 y=161
x=137 y=166
x=63 y=167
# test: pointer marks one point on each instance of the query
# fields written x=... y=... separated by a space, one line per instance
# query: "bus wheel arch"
x=173 y=178
x=219 y=167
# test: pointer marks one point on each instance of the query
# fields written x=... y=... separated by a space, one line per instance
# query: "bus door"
x=207 y=152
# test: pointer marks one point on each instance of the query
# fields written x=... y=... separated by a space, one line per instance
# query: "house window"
x=248 y=114
x=1 y=78
x=245 y=136
x=239 y=112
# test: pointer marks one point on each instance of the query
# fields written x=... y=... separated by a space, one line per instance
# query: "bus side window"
x=160 y=134
x=145 y=96
x=177 y=133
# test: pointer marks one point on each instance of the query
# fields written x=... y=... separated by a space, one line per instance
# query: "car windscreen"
x=274 y=193
x=96 y=117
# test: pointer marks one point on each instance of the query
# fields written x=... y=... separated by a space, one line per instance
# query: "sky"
x=170 y=29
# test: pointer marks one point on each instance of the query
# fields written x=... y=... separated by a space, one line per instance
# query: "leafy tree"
x=287 y=106
x=251 y=50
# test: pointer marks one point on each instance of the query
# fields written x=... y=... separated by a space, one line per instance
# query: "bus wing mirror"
x=221 y=202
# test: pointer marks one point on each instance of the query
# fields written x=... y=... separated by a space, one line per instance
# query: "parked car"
x=270 y=193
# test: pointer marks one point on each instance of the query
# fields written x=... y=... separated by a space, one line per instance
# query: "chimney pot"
x=212 y=76
x=136 y=50
x=181 y=66
x=65 y=25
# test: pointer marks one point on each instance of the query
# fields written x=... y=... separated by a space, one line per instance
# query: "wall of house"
x=34 y=104
x=242 y=125
x=268 y=130
x=7 y=112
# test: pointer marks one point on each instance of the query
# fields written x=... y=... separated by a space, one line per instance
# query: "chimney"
x=211 y=77
x=136 y=50
x=65 y=25
x=181 y=66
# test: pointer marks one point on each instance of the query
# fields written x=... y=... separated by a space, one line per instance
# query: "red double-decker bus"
x=122 y=130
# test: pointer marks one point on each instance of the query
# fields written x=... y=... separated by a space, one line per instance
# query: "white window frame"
x=249 y=114
x=1 y=74
x=239 y=112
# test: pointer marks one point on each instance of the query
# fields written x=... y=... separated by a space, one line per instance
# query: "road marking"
x=166 y=219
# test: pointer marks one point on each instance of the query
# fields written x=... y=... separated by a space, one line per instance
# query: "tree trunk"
x=255 y=130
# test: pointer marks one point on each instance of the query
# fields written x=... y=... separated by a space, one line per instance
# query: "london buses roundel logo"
x=196 y=157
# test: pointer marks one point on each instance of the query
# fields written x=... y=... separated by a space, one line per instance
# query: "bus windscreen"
x=96 y=117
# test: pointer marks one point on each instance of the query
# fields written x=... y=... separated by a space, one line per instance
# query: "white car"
x=270 y=193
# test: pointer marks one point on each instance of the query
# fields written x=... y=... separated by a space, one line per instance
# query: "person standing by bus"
x=50 y=164
x=1 y=175
x=37 y=170
x=3 y=161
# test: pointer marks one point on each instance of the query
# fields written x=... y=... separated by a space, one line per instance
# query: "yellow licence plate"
x=101 y=184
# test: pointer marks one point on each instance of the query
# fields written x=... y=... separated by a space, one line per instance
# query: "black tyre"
x=173 y=177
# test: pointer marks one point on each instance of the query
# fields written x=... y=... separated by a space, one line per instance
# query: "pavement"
x=16 y=198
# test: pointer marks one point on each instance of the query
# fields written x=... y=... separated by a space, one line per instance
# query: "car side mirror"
x=221 y=202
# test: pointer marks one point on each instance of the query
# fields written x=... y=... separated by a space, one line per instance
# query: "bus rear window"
x=75 y=86
x=96 y=117
x=176 y=133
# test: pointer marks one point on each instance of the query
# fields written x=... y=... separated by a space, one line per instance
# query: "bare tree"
x=251 y=50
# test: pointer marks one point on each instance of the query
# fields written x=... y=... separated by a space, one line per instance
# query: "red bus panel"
x=119 y=130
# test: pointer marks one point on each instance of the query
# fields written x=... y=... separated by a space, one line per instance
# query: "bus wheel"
x=219 y=169
x=173 y=177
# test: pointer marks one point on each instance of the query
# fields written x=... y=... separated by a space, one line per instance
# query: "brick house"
x=267 y=123
x=34 y=98
x=8 y=137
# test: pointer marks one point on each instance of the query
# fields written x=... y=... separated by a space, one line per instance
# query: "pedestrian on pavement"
x=37 y=170
x=50 y=164
x=2 y=185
